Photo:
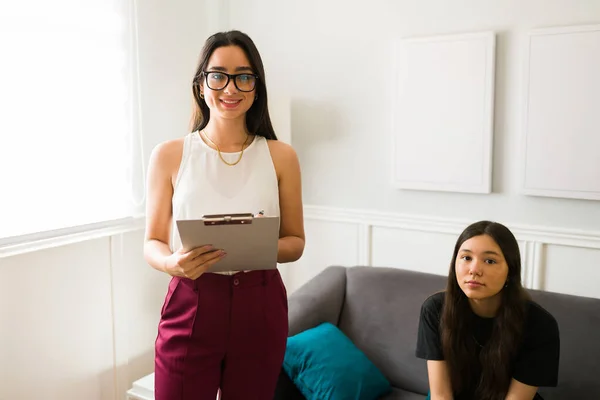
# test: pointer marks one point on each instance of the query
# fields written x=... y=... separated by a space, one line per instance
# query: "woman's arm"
x=439 y=380
x=429 y=347
x=163 y=167
x=520 y=391
x=291 y=232
x=159 y=191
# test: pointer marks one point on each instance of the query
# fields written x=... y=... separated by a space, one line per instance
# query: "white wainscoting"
x=79 y=320
x=553 y=259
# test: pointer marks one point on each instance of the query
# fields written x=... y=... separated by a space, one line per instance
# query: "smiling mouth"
x=230 y=101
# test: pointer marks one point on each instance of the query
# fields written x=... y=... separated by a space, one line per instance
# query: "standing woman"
x=484 y=338
x=222 y=331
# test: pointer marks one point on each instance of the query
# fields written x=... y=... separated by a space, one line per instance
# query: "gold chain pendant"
x=219 y=150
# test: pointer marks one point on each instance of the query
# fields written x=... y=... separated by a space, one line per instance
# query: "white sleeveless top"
x=206 y=185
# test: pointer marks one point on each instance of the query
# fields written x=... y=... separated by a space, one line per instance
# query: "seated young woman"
x=483 y=337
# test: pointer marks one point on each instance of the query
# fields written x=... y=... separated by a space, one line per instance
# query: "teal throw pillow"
x=324 y=364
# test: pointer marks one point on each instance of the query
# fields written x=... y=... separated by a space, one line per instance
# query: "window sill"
x=39 y=241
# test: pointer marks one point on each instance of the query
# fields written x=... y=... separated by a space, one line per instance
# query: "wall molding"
x=532 y=264
x=523 y=233
x=532 y=239
x=365 y=219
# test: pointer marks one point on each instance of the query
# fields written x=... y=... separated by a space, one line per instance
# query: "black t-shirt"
x=536 y=363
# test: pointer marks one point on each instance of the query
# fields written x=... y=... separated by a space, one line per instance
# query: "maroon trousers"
x=221 y=332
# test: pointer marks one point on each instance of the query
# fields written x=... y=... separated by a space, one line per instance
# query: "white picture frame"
x=443 y=113
x=561 y=113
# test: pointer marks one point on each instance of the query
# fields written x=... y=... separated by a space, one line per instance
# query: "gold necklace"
x=219 y=150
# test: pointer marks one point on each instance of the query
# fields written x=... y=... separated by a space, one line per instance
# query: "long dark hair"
x=495 y=358
x=258 y=121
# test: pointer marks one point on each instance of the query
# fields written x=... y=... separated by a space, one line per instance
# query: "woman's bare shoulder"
x=284 y=158
x=167 y=155
x=281 y=150
x=167 y=150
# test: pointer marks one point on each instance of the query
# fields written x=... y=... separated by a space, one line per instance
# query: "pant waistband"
x=241 y=279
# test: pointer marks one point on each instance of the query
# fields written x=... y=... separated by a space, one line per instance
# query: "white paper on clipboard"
x=250 y=243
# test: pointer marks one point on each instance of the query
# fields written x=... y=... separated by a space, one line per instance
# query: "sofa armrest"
x=318 y=300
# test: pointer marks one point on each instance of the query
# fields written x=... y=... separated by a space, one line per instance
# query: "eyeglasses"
x=219 y=80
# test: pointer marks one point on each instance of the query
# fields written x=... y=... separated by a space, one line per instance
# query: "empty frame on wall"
x=561 y=113
x=443 y=113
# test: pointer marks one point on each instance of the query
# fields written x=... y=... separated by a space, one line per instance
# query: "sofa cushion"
x=325 y=365
x=381 y=316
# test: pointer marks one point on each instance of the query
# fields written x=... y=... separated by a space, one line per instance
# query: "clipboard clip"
x=228 y=219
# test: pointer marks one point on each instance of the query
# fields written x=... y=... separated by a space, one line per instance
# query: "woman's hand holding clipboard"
x=191 y=264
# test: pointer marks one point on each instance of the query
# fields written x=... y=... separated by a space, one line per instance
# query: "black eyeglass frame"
x=229 y=77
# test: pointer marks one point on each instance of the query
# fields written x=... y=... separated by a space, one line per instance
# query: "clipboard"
x=251 y=243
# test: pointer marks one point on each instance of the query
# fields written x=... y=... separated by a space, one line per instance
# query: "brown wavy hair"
x=458 y=343
x=258 y=120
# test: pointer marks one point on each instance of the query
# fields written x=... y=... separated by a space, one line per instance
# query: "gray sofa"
x=378 y=309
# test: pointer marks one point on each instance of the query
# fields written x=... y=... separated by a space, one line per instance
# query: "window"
x=68 y=114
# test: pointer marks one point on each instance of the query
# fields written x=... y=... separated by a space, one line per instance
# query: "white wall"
x=321 y=53
x=170 y=40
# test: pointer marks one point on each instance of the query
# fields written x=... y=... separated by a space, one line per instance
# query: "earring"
x=201 y=95
x=256 y=97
